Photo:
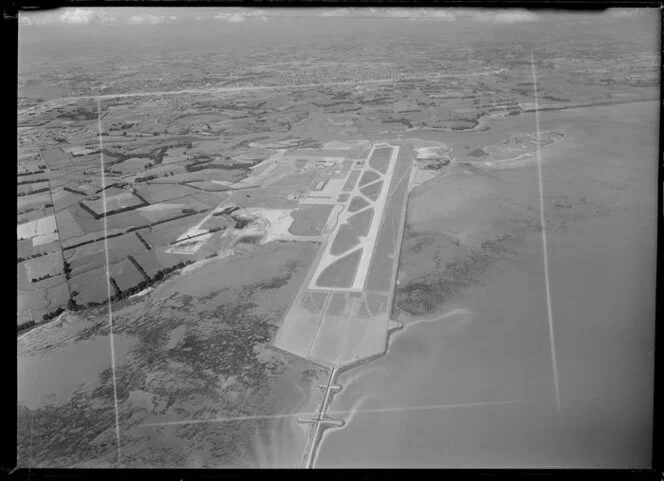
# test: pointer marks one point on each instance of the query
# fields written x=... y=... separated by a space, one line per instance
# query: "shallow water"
x=53 y=378
x=280 y=444
x=499 y=351
x=602 y=282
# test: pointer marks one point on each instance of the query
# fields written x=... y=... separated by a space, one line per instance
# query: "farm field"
x=93 y=255
x=36 y=228
x=43 y=267
x=113 y=202
x=90 y=286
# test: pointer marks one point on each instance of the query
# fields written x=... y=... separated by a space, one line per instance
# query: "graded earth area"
x=198 y=384
x=473 y=386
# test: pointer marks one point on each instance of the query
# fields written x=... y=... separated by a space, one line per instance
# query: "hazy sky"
x=71 y=33
x=162 y=15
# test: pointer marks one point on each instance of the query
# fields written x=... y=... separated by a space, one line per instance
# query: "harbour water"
x=476 y=388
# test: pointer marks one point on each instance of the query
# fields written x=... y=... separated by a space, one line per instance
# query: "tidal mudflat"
x=475 y=386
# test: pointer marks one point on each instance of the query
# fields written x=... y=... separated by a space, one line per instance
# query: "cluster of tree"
x=74 y=191
x=33 y=256
x=157 y=156
x=50 y=315
x=33 y=172
x=31 y=181
x=145 y=178
x=227 y=211
x=79 y=114
x=25 y=325
x=196 y=163
x=143 y=241
x=30 y=192
x=25 y=211
x=435 y=164
x=72 y=305
x=67 y=270
x=196 y=166
x=117 y=156
x=402 y=120
x=240 y=222
x=45 y=276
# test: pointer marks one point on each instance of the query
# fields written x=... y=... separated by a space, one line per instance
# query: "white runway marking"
x=108 y=281
x=545 y=254
x=397 y=184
